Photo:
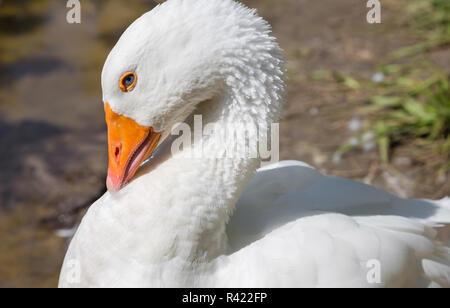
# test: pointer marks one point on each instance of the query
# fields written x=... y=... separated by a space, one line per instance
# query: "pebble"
x=378 y=77
x=354 y=124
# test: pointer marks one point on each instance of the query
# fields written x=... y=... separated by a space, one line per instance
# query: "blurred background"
x=370 y=102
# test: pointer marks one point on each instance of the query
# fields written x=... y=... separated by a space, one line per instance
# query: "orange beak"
x=129 y=145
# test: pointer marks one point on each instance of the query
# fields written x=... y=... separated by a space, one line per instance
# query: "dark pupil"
x=128 y=80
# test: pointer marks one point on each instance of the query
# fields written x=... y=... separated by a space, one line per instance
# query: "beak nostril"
x=117 y=153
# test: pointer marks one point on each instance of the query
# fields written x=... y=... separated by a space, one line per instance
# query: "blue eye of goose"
x=128 y=80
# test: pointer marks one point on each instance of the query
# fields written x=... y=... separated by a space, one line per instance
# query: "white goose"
x=214 y=222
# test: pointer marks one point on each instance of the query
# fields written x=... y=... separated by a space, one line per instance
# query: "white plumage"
x=213 y=222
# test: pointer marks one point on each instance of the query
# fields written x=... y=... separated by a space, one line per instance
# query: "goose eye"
x=127 y=81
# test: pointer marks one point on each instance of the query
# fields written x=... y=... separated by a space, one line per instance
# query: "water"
x=52 y=131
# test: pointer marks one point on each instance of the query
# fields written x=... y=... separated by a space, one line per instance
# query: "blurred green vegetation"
x=411 y=110
x=21 y=23
x=432 y=15
x=410 y=101
x=430 y=20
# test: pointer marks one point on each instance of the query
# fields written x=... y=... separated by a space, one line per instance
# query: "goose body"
x=219 y=221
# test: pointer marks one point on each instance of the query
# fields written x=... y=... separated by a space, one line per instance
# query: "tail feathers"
x=445 y=202
x=441 y=220
x=441 y=216
x=436 y=270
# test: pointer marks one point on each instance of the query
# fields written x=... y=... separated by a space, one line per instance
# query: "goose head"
x=170 y=60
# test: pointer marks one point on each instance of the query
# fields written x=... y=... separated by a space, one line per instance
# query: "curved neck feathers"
x=179 y=204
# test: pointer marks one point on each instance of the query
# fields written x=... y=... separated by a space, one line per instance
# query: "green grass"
x=429 y=19
x=420 y=111
x=432 y=15
x=411 y=106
